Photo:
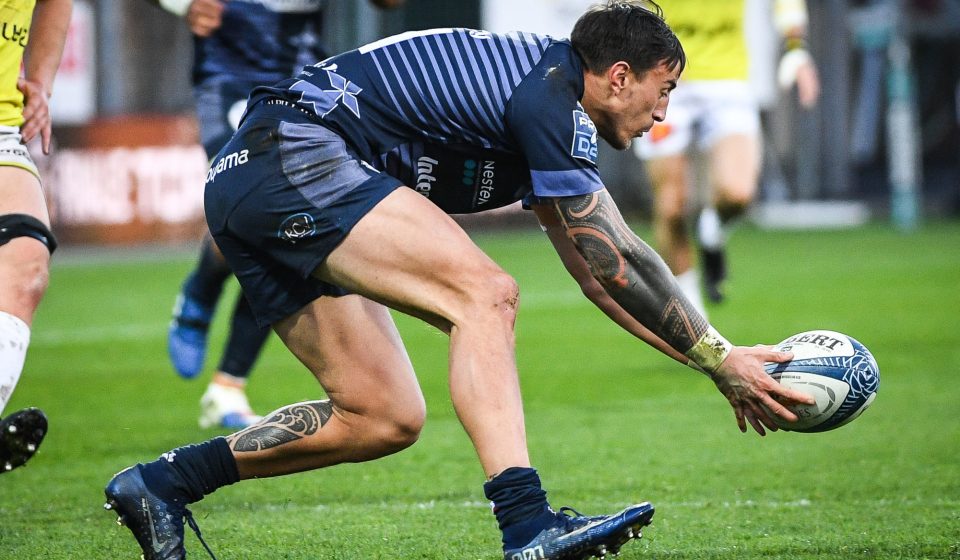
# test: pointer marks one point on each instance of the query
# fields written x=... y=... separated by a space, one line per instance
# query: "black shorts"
x=280 y=196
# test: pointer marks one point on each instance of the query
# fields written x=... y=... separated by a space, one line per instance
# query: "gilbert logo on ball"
x=836 y=369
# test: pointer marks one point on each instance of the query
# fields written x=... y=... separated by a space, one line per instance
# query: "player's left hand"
x=36 y=113
x=752 y=392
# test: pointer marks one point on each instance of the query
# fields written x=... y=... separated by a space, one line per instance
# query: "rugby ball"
x=836 y=369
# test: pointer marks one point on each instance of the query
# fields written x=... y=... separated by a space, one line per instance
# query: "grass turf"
x=610 y=421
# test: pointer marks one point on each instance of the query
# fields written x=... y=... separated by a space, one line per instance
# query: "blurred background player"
x=33 y=37
x=237 y=46
x=715 y=110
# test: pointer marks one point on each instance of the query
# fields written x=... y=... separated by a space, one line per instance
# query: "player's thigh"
x=20 y=193
x=730 y=137
x=735 y=167
x=353 y=348
x=412 y=256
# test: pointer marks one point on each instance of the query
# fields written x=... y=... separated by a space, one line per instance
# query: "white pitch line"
x=433 y=504
x=97 y=334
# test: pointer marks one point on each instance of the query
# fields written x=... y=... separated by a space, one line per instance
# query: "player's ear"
x=617 y=75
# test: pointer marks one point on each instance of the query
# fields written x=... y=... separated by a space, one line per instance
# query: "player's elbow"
x=592 y=289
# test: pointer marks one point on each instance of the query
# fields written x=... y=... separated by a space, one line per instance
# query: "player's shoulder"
x=556 y=80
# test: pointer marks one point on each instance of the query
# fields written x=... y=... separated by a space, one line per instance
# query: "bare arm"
x=48 y=33
x=638 y=280
x=580 y=270
x=630 y=272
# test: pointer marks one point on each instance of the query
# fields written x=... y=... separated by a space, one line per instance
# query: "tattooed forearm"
x=631 y=272
x=287 y=424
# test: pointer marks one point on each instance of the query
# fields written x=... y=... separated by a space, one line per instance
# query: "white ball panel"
x=828 y=392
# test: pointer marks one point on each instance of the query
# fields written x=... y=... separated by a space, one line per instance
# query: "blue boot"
x=187 y=337
x=576 y=537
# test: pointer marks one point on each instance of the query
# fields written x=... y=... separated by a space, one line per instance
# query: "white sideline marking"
x=432 y=504
x=143 y=331
x=97 y=334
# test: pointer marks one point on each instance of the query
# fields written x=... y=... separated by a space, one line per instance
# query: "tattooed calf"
x=287 y=424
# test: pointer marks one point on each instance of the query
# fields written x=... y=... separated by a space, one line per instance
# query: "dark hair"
x=632 y=31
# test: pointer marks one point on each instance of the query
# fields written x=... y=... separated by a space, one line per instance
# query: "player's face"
x=644 y=100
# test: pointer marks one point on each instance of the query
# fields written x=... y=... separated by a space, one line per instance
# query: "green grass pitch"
x=610 y=421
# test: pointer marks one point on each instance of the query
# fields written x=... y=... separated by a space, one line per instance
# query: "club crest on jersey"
x=297 y=226
x=584 y=137
x=342 y=92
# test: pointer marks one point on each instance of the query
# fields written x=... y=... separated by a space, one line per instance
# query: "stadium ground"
x=610 y=421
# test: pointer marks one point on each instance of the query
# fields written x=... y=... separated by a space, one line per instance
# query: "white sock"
x=709 y=229
x=690 y=286
x=14 y=339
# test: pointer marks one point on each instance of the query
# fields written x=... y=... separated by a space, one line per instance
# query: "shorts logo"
x=584 y=137
x=226 y=163
x=297 y=226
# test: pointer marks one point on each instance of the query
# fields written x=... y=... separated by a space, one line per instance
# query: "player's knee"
x=499 y=293
x=671 y=211
x=402 y=429
x=734 y=203
x=673 y=222
x=26 y=268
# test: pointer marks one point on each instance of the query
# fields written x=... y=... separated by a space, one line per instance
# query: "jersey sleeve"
x=551 y=129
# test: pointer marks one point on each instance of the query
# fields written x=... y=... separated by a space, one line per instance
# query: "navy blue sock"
x=520 y=505
x=188 y=473
x=205 y=283
x=244 y=342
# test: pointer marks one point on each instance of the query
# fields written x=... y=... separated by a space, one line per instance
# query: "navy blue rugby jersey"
x=260 y=41
x=512 y=99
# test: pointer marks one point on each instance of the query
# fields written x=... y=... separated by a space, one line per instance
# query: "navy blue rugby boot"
x=157 y=524
x=187 y=336
x=20 y=436
x=576 y=537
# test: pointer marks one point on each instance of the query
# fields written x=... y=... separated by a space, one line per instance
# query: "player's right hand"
x=205 y=16
x=752 y=393
x=36 y=113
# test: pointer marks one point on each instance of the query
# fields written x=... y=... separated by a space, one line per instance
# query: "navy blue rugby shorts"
x=280 y=196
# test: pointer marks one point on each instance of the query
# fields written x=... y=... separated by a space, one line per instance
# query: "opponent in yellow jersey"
x=715 y=110
x=32 y=34
x=15 y=16
x=712 y=33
